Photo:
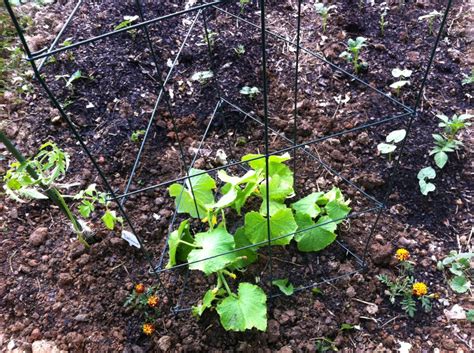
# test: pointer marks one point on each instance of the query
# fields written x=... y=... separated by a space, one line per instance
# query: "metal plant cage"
x=300 y=150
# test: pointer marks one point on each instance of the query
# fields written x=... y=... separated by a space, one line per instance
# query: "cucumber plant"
x=311 y=222
x=402 y=76
x=323 y=11
x=392 y=139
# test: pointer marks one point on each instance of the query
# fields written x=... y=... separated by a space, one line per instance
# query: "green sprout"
x=202 y=77
x=403 y=76
x=250 y=91
x=446 y=142
x=383 y=13
x=468 y=79
x=136 y=135
x=239 y=50
x=423 y=176
x=323 y=11
x=430 y=18
x=243 y=4
x=459 y=265
x=353 y=54
x=392 y=139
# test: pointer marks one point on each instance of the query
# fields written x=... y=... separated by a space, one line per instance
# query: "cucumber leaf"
x=314 y=239
x=176 y=249
x=307 y=205
x=281 y=223
x=246 y=310
x=284 y=285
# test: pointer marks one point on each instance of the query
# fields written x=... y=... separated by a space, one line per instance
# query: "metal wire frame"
x=411 y=112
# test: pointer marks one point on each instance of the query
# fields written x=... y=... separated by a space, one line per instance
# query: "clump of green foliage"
x=352 y=54
x=243 y=4
x=430 y=19
x=250 y=91
x=392 y=139
x=403 y=76
x=447 y=141
x=405 y=286
x=137 y=135
x=459 y=265
x=311 y=221
x=323 y=11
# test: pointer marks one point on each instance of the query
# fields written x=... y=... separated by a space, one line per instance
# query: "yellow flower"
x=420 y=289
x=204 y=220
x=139 y=288
x=402 y=254
x=148 y=329
x=232 y=275
x=214 y=220
x=153 y=301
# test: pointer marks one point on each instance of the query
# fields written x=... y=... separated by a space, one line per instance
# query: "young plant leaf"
x=307 y=205
x=441 y=158
x=110 y=218
x=396 y=136
x=284 y=285
x=246 y=310
x=426 y=173
x=75 y=76
x=247 y=256
x=337 y=210
x=281 y=223
x=212 y=243
x=314 y=239
x=207 y=300
x=460 y=284
x=386 y=148
x=202 y=186
x=176 y=249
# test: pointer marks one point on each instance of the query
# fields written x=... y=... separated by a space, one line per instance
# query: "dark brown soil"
x=62 y=292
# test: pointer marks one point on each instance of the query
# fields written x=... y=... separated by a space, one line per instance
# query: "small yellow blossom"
x=402 y=254
x=232 y=275
x=148 y=329
x=204 y=220
x=153 y=301
x=420 y=289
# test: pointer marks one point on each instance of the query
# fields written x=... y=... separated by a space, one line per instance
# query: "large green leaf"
x=250 y=254
x=212 y=243
x=176 y=249
x=281 y=223
x=307 y=205
x=314 y=239
x=259 y=164
x=275 y=206
x=246 y=310
x=202 y=186
x=233 y=185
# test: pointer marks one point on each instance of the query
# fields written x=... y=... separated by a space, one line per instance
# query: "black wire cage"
x=225 y=113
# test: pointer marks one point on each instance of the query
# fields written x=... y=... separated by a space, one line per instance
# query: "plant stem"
x=188 y=244
x=222 y=278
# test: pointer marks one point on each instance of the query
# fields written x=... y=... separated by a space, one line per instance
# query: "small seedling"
x=468 y=79
x=239 y=50
x=458 y=264
x=354 y=48
x=430 y=18
x=405 y=286
x=74 y=77
x=403 y=76
x=383 y=13
x=136 y=135
x=392 y=139
x=127 y=22
x=425 y=174
x=447 y=142
x=323 y=11
x=250 y=91
x=284 y=285
x=243 y=4
x=202 y=77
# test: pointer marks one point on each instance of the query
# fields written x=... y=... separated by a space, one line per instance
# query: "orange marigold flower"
x=420 y=289
x=148 y=329
x=402 y=254
x=153 y=301
x=139 y=288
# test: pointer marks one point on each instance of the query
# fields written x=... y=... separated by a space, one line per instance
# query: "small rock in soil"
x=65 y=279
x=382 y=254
x=44 y=347
x=455 y=313
x=351 y=293
x=35 y=334
x=38 y=237
x=164 y=343
x=273 y=331
x=286 y=349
